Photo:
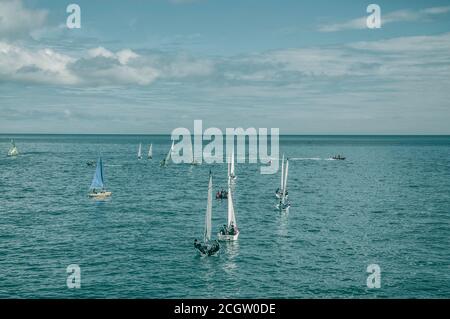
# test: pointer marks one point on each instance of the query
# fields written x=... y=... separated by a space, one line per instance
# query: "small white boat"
x=230 y=231
x=150 y=152
x=166 y=161
x=97 y=189
x=208 y=247
x=284 y=203
x=140 y=151
x=13 y=151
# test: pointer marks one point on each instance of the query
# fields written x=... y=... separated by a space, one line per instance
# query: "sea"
x=387 y=204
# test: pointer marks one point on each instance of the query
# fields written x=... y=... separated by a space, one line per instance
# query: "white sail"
x=208 y=216
x=282 y=173
x=231 y=215
x=150 y=152
x=169 y=155
x=285 y=180
x=232 y=164
x=140 y=151
x=13 y=151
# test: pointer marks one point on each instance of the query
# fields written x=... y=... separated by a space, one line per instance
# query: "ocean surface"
x=388 y=203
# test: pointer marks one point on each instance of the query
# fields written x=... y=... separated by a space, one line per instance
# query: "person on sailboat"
x=215 y=248
x=199 y=246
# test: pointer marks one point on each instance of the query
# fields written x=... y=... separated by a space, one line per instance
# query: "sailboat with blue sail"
x=97 y=189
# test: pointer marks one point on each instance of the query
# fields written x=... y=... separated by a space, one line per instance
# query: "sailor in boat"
x=338 y=157
x=222 y=194
x=232 y=230
x=284 y=205
x=279 y=192
x=209 y=250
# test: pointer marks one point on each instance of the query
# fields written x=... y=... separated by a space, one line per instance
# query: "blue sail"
x=97 y=181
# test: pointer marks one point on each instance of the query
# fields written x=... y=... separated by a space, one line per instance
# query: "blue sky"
x=307 y=67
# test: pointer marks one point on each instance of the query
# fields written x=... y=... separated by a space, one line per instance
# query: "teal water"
x=388 y=203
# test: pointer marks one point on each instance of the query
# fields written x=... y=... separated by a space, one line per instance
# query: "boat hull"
x=222 y=237
x=13 y=152
x=100 y=195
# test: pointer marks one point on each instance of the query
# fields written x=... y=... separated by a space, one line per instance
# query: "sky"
x=150 y=66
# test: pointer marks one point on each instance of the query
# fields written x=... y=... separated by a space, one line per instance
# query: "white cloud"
x=386 y=18
x=16 y=20
x=97 y=66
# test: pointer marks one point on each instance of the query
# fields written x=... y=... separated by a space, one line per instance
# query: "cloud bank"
x=387 y=18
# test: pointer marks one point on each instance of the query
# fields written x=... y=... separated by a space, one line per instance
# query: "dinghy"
x=13 y=151
x=279 y=191
x=97 y=189
x=166 y=161
x=140 y=151
x=284 y=203
x=150 y=152
x=230 y=231
x=208 y=247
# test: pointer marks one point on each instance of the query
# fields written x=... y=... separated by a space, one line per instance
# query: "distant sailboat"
x=230 y=231
x=150 y=152
x=97 y=189
x=208 y=247
x=194 y=162
x=166 y=161
x=13 y=151
x=140 y=151
x=284 y=203
x=232 y=173
x=279 y=191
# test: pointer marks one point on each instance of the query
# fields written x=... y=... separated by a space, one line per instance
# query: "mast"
x=231 y=215
x=285 y=180
x=232 y=163
x=282 y=173
x=208 y=216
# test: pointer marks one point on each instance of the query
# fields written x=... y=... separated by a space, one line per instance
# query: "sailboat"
x=97 y=189
x=13 y=151
x=166 y=161
x=140 y=151
x=150 y=152
x=279 y=191
x=284 y=203
x=232 y=174
x=229 y=232
x=208 y=247
x=194 y=162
